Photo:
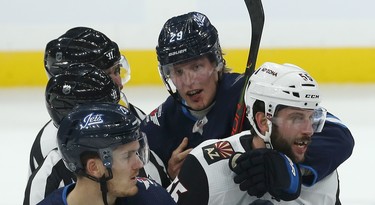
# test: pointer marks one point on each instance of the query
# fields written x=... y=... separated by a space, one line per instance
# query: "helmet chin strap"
x=124 y=99
x=103 y=183
x=267 y=136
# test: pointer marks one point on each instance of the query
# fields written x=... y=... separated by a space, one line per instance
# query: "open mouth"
x=193 y=92
x=302 y=143
x=135 y=176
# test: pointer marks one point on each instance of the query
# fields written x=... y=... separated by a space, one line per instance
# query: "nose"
x=138 y=164
x=308 y=129
x=188 y=77
x=118 y=82
x=120 y=86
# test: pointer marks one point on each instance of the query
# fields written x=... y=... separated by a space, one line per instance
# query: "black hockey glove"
x=265 y=170
x=261 y=202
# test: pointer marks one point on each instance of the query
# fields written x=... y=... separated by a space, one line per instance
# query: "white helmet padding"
x=287 y=85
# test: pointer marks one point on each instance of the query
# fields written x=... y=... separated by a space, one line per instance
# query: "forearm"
x=328 y=149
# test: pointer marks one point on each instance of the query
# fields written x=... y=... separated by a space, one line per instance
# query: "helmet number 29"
x=175 y=37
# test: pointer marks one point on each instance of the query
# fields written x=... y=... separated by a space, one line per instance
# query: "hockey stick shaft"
x=256 y=13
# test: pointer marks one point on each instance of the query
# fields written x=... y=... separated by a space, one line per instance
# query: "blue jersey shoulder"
x=149 y=193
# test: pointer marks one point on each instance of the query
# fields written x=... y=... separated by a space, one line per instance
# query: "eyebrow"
x=131 y=149
x=300 y=112
x=297 y=108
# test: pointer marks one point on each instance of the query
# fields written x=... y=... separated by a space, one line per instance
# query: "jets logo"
x=199 y=19
x=91 y=119
x=217 y=151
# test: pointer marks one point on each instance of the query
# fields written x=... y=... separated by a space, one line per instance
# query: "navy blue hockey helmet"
x=184 y=38
x=98 y=128
x=80 y=45
x=187 y=36
x=78 y=84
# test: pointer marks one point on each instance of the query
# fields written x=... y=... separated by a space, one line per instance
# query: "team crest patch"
x=154 y=115
x=198 y=126
x=217 y=151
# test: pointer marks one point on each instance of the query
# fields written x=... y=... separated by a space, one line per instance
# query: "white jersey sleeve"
x=205 y=178
x=136 y=111
x=50 y=175
x=44 y=142
x=155 y=170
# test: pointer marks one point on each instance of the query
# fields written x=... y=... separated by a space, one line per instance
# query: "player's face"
x=292 y=131
x=125 y=168
x=114 y=73
x=196 y=82
x=119 y=72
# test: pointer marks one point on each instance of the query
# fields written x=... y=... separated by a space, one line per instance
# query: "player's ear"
x=95 y=167
x=261 y=120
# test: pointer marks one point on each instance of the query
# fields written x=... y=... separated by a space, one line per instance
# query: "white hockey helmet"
x=287 y=85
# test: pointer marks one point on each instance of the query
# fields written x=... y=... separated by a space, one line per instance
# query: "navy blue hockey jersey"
x=149 y=193
x=168 y=124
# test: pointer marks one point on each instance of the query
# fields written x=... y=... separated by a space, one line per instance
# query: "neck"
x=87 y=192
x=258 y=143
x=199 y=114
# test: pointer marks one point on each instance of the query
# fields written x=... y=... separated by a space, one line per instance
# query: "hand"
x=265 y=170
x=177 y=158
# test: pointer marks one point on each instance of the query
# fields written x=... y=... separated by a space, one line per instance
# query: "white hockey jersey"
x=205 y=178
